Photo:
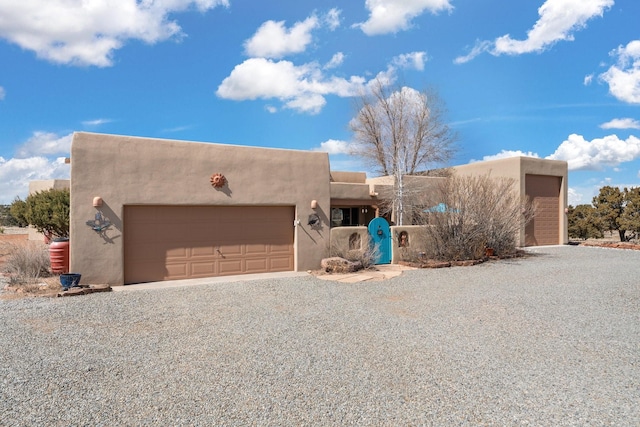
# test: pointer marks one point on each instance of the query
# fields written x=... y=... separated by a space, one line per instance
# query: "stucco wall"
x=517 y=168
x=418 y=240
x=343 y=190
x=350 y=177
x=125 y=170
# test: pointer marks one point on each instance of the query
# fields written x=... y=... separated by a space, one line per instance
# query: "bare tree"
x=399 y=131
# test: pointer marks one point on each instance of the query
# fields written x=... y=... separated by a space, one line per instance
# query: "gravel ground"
x=552 y=339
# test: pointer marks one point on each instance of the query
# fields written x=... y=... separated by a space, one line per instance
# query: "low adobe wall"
x=417 y=240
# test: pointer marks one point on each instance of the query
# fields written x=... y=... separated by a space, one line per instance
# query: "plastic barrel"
x=59 y=256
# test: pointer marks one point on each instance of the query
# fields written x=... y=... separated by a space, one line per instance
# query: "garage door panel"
x=229 y=250
x=176 y=271
x=544 y=192
x=227 y=267
x=203 y=251
x=256 y=265
x=145 y=272
x=143 y=252
x=200 y=232
x=138 y=233
x=174 y=233
x=281 y=249
x=280 y=264
x=203 y=241
x=203 y=269
x=176 y=253
x=256 y=249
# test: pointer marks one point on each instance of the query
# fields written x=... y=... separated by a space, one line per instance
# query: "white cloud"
x=481 y=46
x=336 y=61
x=596 y=154
x=559 y=20
x=177 y=129
x=87 y=33
x=391 y=16
x=45 y=143
x=299 y=87
x=15 y=175
x=332 y=19
x=334 y=146
x=96 y=122
x=588 y=79
x=413 y=60
x=273 y=40
x=624 y=77
x=625 y=123
x=505 y=154
x=2 y=93
x=574 y=197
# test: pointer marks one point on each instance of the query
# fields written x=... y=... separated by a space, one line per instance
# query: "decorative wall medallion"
x=218 y=180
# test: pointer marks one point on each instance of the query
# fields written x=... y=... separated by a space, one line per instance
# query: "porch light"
x=97 y=202
x=314 y=204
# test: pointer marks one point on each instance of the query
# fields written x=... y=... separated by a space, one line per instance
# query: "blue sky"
x=555 y=79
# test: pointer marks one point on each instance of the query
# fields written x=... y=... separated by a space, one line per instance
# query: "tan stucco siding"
x=518 y=168
x=145 y=171
x=340 y=190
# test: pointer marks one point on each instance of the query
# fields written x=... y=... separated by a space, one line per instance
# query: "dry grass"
x=366 y=254
x=24 y=262
x=45 y=287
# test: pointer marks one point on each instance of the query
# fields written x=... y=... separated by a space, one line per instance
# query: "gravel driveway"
x=552 y=339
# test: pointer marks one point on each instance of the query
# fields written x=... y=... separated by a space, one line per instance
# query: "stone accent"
x=84 y=290
x=615 y=245
x=340 y=265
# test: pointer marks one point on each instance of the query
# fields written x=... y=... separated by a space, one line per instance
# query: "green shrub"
x=47 y=211
x=18 y=211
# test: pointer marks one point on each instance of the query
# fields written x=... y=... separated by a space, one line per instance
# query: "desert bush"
x=26 y=263
x=367 y=254
x=482 y=212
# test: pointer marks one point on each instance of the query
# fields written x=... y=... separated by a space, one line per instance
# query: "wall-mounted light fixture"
x=314 y=204
x=99 y=223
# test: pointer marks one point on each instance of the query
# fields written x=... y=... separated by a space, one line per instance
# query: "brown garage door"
x=183 y=242
x=544 y=229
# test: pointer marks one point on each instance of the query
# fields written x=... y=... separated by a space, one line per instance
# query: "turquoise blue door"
x=380 y=234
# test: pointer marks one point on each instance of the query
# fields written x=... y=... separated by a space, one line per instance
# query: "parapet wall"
x=416 y=242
